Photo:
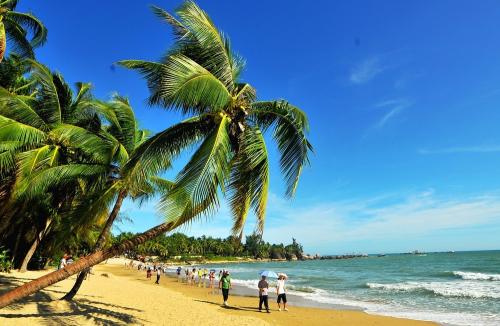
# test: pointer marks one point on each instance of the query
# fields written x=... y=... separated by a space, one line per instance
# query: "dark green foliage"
x=181 y=247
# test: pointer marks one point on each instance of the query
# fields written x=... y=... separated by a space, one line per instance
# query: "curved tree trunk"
x=101 y=240
x=31 y=251
x=82 y=264
x=3 y=39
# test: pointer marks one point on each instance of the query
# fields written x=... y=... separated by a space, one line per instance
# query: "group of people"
x=193 y=276
x=66 y=260
x=263 y=287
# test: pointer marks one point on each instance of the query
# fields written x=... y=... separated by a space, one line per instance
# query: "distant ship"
x=416 y=252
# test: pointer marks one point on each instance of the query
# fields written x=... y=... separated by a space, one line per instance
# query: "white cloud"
x=393 y=108
x=465 y=149
x=366 y=71
x=382 y=221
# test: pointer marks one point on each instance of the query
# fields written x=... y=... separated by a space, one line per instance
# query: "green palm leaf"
x=202 y=177
x=290 y=128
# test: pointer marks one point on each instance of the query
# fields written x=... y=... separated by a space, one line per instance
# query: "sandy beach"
x=115 y=295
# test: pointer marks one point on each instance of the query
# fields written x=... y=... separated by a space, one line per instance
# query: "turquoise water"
x=461 y=288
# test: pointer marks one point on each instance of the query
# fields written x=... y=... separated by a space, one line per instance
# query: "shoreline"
x=121 y=296
x=244 y=296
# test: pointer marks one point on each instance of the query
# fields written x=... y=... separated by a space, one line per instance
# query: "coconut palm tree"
x=15 y=26
x=123 y=127
x=200 y=76
x=52 y=134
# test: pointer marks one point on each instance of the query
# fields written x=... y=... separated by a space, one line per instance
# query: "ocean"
x=461 y=288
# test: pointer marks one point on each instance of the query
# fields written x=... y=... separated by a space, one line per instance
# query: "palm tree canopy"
x=23 y=31
x=200 y=76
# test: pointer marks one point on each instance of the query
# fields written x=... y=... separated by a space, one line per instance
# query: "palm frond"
x=249 y=182
x=40 y=182
x=179 y=30
x=32 y=24
x=202 y=177
x=188 y=85
x=50 y=106
x=11 y=130
x=214 y=52
x=290 y=128
x=20 y=108
x=95 y=148
x=152 y=72
x=16 y=37
x=156 y=153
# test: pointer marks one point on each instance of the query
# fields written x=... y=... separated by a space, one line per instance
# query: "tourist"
x=148 y=272
x=281 y=292
x=69 y=260
x=158 y=274
x=211 y=280
x=263 y=293
x=225 y=285
x=187 y=275
x=200 y=275
x=63 y=262
x=193 y=276
x=179 y=269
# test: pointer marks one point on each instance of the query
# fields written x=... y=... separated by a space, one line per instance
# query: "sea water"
x=461 y=288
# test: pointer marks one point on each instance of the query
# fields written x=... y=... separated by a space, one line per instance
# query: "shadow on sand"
x=55 y=312
x=254 y=309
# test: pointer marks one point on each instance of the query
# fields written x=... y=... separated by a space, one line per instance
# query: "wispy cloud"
x=464 y=149
x=366 y=71
x=393 y=107
x=371 y=224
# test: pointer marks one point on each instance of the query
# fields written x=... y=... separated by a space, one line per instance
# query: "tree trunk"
x=3 y=40
x=31 y=251
x=16 y=245
x=101 y=240
x=84 y=263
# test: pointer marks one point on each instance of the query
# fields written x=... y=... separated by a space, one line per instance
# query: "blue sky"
x=403 y=100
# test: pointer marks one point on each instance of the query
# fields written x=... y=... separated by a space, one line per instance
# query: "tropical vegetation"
x=180 y=247
x=68 y=160
x=23 y=30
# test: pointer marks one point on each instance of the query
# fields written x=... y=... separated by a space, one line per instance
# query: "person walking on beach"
x=148 y=272
x=211 y=280
x=281 y=292
x=263 y=294
x=193 y=275
x=158 y=274
x=179 y=278
x=200 y=275
x=225 y=285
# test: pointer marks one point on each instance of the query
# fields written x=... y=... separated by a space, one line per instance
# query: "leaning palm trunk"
x=3 y=39
x=82 y=264
x=101 y=240
x=36 y=242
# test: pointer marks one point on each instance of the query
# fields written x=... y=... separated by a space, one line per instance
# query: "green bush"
x=5 y=263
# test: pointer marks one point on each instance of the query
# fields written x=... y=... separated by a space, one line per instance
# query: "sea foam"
x=477 y=276
x=470 y=289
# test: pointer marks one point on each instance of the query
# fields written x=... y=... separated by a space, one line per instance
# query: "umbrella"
x=268 y=274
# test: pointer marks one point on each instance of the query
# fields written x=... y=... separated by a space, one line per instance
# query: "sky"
x=403 y=100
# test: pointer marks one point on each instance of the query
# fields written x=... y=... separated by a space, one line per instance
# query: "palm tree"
x=123 y=127
x=15 y=26
x=200 y=76
x=52 y=134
